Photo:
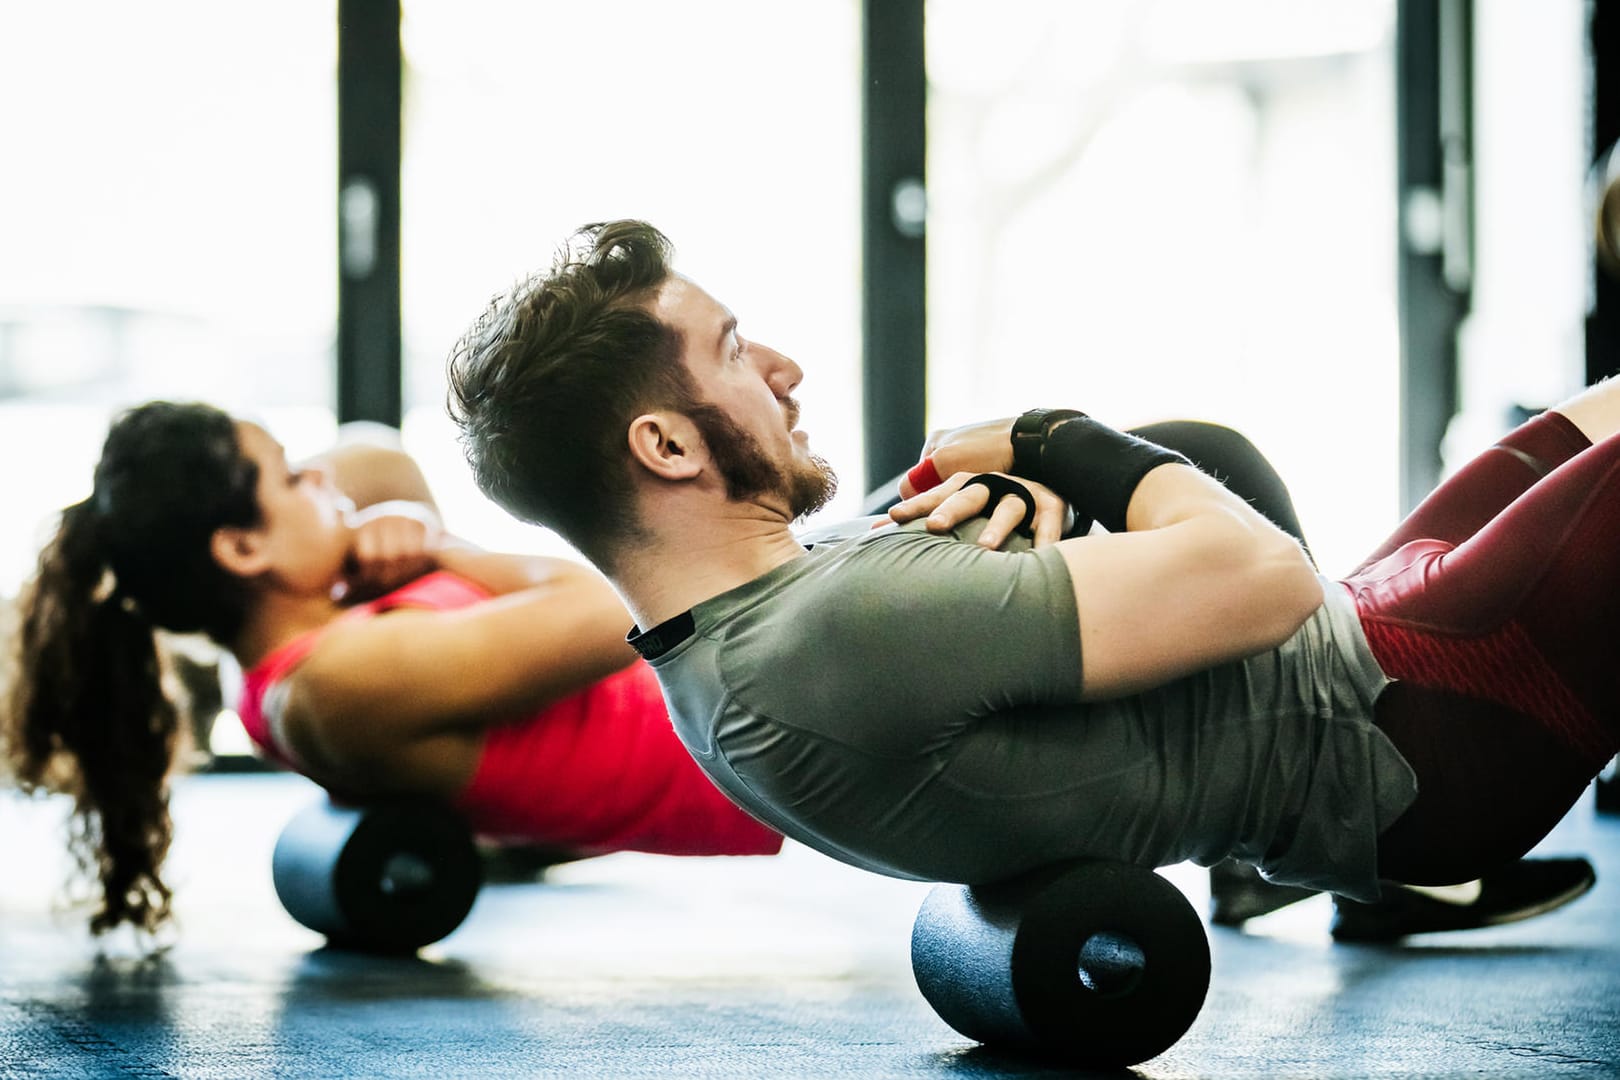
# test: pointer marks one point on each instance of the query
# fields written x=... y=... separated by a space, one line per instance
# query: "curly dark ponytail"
x=87 y=710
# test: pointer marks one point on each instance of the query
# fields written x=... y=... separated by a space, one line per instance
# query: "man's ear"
x=667 y=444
x=240 y=551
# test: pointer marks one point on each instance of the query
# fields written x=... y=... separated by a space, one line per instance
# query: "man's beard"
x=749 y=472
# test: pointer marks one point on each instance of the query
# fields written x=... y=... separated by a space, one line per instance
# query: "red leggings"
x=1496 y=608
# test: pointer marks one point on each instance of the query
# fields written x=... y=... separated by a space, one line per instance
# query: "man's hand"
x=952 y=503
x=394 y=543
x=975 y=448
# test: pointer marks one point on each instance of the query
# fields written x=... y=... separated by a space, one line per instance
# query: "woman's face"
x=304 y=530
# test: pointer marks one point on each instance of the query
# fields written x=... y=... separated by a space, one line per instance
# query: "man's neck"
x=685 y=566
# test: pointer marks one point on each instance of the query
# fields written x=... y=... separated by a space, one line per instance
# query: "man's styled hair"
x=544 y=385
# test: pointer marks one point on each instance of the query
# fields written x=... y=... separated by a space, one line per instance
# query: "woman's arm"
x=500 y=572
x=373 y=468
x=397 y=520
x=374 y=686
x=374 y=689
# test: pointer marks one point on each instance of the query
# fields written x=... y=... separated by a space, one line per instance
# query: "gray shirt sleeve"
x=902 y=638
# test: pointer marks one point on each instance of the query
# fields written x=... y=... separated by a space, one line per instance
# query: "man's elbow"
x=1267 y=585
x=1289 y=588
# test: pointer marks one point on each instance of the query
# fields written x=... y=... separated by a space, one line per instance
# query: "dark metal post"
x=894 y=200
x=1603 y=318
x=1434 y=165
x=369 y=98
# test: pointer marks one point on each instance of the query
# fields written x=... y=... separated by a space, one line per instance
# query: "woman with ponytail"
x=89 y=713
x=382 y=656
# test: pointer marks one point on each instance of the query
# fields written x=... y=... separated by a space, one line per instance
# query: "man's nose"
x=780 y=372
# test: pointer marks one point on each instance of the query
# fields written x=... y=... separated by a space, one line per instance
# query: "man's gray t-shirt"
x=910 y=704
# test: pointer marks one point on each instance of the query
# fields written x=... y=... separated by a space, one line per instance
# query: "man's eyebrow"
x=725 y=329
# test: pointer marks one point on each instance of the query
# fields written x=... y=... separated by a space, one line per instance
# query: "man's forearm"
x=1091 y=465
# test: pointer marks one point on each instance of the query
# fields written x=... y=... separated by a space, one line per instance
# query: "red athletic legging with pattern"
x=1496 y=607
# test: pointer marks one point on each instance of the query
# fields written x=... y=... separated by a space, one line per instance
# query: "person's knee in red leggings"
x=1482 y=488
x=1496 y=607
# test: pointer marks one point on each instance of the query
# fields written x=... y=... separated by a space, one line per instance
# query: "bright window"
x=1175 y=209
x=166 y=230
x=732 y=125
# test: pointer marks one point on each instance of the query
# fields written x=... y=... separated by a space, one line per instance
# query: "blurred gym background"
x=1358 y=230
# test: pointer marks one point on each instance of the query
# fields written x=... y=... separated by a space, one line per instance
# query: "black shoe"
x=1608 y=788
x=1523 y=890
x=1238 y=893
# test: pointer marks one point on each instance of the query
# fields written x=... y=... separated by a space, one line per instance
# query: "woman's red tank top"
x=601 y=770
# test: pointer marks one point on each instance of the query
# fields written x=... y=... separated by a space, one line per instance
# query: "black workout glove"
x=999 y=488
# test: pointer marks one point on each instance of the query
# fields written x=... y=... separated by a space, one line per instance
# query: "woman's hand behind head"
x=394 y=543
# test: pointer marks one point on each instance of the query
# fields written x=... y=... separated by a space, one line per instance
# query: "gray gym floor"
x=796 y=966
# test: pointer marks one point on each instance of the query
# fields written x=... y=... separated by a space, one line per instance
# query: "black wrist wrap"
x=1097 y=468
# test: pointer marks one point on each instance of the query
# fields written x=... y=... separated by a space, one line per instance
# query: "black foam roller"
x=385 y=877
x=1097 y=963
